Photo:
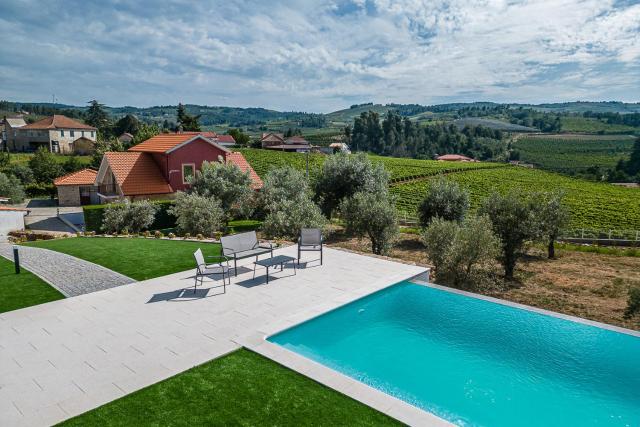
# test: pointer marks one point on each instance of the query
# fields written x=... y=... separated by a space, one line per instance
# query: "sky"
x=318 y=56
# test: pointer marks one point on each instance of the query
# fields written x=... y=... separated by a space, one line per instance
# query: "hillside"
x=593 y=206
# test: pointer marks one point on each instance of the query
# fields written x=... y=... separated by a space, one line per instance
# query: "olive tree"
x=196 y=214
x=286 y=199
x=226 y=183
x=513 y=219
x=461 y=251
x=444 y=199
x=552 y=216
x=373 y=215
x=344 y=175
x=11 y=188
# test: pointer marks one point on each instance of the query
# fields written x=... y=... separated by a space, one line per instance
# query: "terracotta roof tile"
x=164 y=142
x=137 y=173
x=81 y=177
x=58 y=121
x=239 y=160
x=226 y=139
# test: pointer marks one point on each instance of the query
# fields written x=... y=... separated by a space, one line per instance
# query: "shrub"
x=129 y=217
x=286 y=220
x=40 y=190
x=344 y=175
x=460 y=251
x=187 y=235
x=444 y=199
x=199 y=236
x=94 y=216
x=171 y=235
x=11 y=188
x=287 y=202
x=513 y=221
x=158 y=234
x=633 y=303
x=373 y=215
x=197 y=214
x=20 y=171
x=226 y=183
x=44 y=166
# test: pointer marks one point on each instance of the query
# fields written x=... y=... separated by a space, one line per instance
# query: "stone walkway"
x=60 y=359
x=70 y=275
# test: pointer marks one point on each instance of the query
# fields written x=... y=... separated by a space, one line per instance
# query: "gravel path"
x=70 y=275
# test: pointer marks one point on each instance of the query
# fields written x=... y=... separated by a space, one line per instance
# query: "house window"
x=72 y=133
x=82 y=134
x=62 y=133
x=93 y=134
x=188 y=170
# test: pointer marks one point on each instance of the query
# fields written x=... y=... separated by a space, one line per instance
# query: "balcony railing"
x=108 y=190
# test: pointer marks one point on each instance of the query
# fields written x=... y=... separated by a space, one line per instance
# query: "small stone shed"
x=77 y=188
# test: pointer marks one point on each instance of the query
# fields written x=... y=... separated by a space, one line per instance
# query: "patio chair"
x=310 y=240
x=243 y=245
x=204 y=269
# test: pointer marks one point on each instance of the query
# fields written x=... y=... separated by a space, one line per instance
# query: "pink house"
x=162 y=165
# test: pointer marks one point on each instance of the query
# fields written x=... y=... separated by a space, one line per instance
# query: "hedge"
x=40 y=190
x=93 y=215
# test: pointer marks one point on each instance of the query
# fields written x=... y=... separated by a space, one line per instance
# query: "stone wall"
x=69 y=195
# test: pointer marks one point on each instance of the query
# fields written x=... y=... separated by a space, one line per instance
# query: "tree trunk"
x=551 y=249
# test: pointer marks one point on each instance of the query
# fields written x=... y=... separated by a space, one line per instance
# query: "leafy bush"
x=372 y=214
x=11 y=188
x=633 y=303
x=513 y=219
x=286 y=199
x=344 y=175
x=20 y=171
x=94 y=215
x=129 y=217
x=461 y=251
x=40 y=190
x=444 y=199
x=197 y=214
x=44 y=166
x=290 y=216
x=226 y=183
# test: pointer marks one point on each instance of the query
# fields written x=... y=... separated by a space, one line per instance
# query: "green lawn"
x=240 y=389
x=135 y=257
x=22 y=290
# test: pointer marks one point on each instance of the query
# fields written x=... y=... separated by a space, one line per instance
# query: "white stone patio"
x=60 y=359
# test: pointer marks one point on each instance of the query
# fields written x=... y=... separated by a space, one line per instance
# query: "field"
x=573 y=153
x=595 y=206
x=592 y=125
x=400 y=169
x=23 y=158
x=493 y=124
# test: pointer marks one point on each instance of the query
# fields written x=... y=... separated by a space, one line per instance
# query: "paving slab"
x=69 y=356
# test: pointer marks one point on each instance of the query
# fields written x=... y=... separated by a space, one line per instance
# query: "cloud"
x=319 y=55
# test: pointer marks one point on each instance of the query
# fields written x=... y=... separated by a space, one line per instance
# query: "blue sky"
x=319 y=55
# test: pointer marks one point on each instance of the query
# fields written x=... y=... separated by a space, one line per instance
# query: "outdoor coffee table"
x=280 y=260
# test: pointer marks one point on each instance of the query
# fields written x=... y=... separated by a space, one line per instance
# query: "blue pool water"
x=475 y=362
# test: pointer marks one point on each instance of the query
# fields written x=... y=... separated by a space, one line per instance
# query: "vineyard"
x=592 y=205
x=574 y=154
x=400 y=169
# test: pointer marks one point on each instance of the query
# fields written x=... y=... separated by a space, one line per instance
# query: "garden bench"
x=243 y=245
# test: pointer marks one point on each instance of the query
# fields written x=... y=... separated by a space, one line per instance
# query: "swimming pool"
x=475 y=362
